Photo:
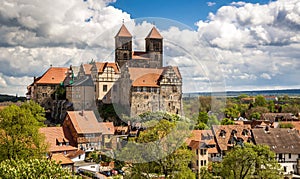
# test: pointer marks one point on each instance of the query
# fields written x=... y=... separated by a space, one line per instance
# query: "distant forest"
x=8 y=98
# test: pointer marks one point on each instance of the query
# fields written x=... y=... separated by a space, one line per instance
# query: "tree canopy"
x=19 y=127
x=165 y=154
x=249 y=161
x=32 y=168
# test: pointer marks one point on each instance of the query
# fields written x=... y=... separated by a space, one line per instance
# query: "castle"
x=137 y=79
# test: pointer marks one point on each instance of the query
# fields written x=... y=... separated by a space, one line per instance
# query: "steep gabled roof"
x=224 y=133
x=123 y=32
x=102 y=65
x=154 y=34
x=107 y=128
x=279 y=140
x=54 y=75
x=145 y=77
x=87 y=68
x=84 y=122
x=54 y=135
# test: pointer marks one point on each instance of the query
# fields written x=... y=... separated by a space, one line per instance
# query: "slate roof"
x=222 y=140
x=279 y=140
x=54 y=75
x=54 y=134
x=84 y=122
x=86 y=81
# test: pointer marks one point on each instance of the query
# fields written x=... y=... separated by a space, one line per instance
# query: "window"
x=44 y=94
x=203 y=151
x=284 y=168
x=202 y=163
x=196 y=151
x=104 y=88
x=290 y=156
x=125 y=56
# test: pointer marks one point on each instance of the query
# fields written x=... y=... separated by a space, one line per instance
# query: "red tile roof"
x=102 y=65
x=123 y=32
x=107 y=128
x=87 y=68
x=137 y=55
x=75 y=154
x=84 y=122
x=154 y=34
x=222 y=140
x=56 y=133
x=54 y=75
x=61 y=159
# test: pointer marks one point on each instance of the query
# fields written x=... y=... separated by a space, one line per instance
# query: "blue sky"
x=184 y=11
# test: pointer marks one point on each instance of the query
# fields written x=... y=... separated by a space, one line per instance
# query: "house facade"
x=82 y=93
x=285 y=143
x=104 y=75
x=85 y=129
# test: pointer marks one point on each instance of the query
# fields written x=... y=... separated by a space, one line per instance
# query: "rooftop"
x=54 y=75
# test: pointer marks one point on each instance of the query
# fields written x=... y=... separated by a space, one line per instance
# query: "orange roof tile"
x=61 y=159
x=123 y=32
x=107 y=128
x=222 y=141
x=54 y=75
x=56 y=133
x=102 y=65
x=137 y=55
x=212 y=150
x=84 y=122
x=195 y=135
x=154 y=34
x=148 y=80
x=75 y=154
x=87 y=68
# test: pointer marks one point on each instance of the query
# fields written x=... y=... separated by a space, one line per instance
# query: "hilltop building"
x=144 y=84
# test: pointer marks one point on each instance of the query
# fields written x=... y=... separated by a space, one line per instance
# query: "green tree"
x=249 y=161
x=257 y=109
x=227 y=121
x=165 y=139
x=203 y=117
x=32 y=168
x=35 y=109
x=260 y=101
x=286 y=125
x=20 y=137
x=255 y=115
x=232 y=112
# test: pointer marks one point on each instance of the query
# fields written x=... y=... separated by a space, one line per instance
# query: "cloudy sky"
x=218 y=45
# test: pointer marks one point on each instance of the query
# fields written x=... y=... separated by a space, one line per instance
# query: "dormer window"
x=245 y=132
x=222 y=133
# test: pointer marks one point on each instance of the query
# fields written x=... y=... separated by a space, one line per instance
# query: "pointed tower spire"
x=154 y=34
x=123 y=32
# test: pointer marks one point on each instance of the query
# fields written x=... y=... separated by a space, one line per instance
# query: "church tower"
x=154 y=48
x=123 y=46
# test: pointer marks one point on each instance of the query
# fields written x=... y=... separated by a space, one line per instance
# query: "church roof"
x=154 y=34
x=123 y=32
